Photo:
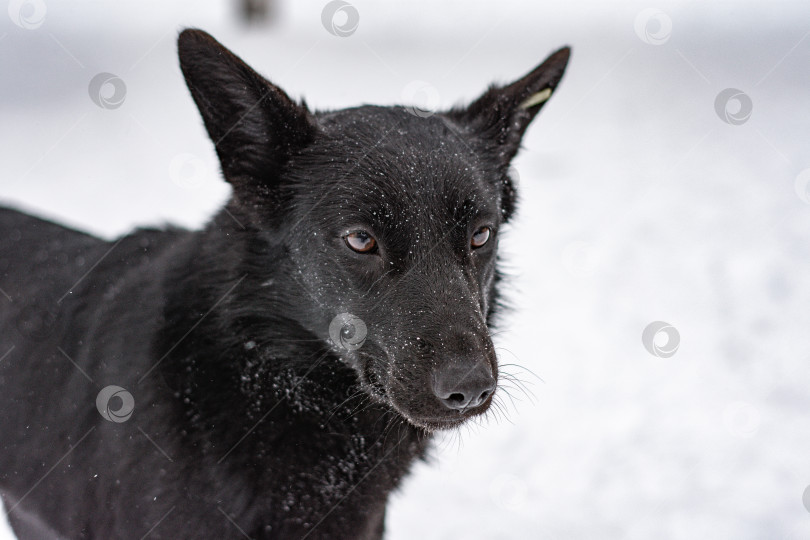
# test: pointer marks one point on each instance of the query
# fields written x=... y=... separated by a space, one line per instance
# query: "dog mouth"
x=428 y=414
x=446 y=422
x=371 y=380
x=374 y=385
x=425 y=411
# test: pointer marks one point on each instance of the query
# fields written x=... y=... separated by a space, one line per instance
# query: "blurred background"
x=665 y=186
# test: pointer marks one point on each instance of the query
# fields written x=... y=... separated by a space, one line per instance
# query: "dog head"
x=387 y=222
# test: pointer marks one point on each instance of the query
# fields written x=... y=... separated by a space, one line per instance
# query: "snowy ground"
x=639 y=204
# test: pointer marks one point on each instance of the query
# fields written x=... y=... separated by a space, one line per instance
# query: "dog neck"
x=227 y=342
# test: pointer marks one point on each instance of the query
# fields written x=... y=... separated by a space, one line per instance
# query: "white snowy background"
x=639 y=204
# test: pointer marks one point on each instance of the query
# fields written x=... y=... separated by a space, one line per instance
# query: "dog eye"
x=361 y=242
x=480 y=237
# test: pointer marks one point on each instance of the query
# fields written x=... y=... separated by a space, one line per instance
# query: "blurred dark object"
x=256 y=10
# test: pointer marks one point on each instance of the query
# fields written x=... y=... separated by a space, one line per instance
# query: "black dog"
x=289 y=362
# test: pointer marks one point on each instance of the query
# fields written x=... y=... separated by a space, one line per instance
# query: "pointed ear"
x=503 y=113
x=254 y=125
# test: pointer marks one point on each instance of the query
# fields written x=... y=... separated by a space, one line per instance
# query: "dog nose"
x=461 y=387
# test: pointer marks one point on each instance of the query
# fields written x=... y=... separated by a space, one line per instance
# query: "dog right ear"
x=254 y=125
x=502 y=114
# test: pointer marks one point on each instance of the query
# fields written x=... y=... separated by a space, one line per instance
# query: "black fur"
x=248 y=415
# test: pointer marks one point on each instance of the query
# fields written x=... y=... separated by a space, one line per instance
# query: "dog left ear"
x=254 y=125
x=502 y=114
